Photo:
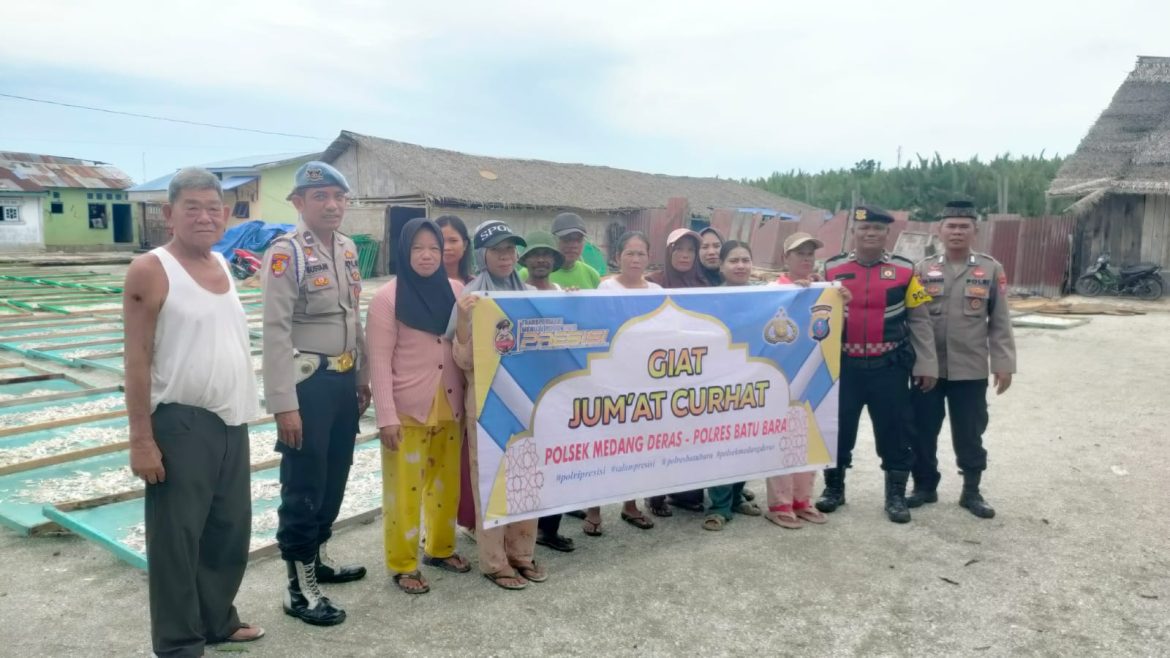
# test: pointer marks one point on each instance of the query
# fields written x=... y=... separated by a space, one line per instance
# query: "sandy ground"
x=1075 y=563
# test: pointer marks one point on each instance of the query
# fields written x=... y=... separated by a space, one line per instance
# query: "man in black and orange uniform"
x=888 y=340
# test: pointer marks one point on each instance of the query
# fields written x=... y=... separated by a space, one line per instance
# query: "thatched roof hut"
x=1119 y=176
x=392 y=182
x=386 y=169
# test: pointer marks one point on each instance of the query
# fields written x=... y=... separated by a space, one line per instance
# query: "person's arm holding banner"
x=462 y=343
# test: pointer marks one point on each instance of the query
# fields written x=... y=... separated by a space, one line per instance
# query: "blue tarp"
x=253 y=236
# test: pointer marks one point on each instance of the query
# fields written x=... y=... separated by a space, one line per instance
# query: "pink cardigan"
x=406 y=365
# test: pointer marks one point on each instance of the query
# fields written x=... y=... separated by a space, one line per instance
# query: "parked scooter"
x=1142 y=280
x=244 y=263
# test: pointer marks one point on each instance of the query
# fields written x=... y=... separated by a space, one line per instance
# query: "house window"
x=240 y=210
x=56 y=195
x=56 y=207
x=89 y=195
x=9 y=213
x=97 y=216
x=109 y=196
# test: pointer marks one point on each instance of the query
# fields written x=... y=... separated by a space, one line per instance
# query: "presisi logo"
x=537 y=334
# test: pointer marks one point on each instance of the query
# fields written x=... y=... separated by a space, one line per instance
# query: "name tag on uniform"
x=844 y=276
x=313 y=269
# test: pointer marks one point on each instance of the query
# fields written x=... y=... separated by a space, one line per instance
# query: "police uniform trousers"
x=881 y=384
x=198 y=525
x=965 y=401
x=312 y=479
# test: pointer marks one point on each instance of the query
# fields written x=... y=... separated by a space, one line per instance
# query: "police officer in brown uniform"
x=972 y=328
x=315 y=383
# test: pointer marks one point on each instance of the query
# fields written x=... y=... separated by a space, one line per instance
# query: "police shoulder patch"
x=916 y=294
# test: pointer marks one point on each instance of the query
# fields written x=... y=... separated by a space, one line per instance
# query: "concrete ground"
x=1075 y=563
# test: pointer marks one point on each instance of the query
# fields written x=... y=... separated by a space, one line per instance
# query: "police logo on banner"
x=780 y=329
x=505 y=342
x=819 y=327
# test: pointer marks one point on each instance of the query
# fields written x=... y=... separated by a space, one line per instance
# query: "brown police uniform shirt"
x=970 y=314
x=312 y=296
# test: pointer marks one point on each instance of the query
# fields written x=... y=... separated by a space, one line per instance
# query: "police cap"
x=317 y=174
x=872 y=214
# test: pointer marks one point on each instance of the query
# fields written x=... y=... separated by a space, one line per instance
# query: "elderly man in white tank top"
x=190 y=393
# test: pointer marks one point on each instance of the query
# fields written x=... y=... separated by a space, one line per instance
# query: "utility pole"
x=899 y=157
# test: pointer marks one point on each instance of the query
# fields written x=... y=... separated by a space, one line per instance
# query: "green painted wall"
x=71 y=226
x=275 y=184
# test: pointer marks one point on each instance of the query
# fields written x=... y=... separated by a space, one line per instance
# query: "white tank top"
x=201 y=348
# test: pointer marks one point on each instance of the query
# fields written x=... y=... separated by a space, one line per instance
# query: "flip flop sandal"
x=783 y=516
x=444 y=563
x=811 y=514
x=714 y=522
x=532 y=574
x=748 y=509
x=248 y=638
x=662 y=510
x=499 y=577
x=557 y=543
x=590 y=528
x=639 y=521
x=687 y=505
x=414 y=575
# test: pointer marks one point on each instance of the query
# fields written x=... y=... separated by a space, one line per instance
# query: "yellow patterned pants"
x=422 y=475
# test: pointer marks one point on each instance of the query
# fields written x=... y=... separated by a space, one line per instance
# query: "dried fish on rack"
x=59 y=411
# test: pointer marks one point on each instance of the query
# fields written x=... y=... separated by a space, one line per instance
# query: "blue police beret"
x=318 y=174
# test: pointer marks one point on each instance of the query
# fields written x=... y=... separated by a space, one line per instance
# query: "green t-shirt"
x=582 y=276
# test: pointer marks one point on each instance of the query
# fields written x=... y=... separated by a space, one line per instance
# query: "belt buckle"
x=345 y=362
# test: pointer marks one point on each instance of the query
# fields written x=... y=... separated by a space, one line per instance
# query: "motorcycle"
x=1143 y=280
x=244 y=263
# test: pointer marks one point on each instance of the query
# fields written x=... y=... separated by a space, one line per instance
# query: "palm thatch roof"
x=451 y=178
x=1128 y=150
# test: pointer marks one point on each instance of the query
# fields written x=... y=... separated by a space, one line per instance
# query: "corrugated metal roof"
x=258 y=161
x=232 y=182
x=31 y=172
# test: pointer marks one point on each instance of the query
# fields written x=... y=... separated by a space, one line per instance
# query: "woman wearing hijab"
x=505 y=553
x=710 y=243
x=681 y=270
x=418 y=400
x=736 y=268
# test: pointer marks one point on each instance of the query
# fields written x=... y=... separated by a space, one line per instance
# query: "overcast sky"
x=700 y=88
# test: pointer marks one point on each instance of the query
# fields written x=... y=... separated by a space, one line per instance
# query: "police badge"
x=819 y=327
x=780 y=329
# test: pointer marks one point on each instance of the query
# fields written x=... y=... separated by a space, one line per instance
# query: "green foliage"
x=1014 y=185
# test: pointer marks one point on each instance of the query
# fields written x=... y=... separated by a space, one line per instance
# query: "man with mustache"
x=316 y=383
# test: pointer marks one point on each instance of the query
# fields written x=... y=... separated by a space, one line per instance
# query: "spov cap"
x=492 y=233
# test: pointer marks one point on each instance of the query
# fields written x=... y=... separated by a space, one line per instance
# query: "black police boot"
x=329 y=571
x=896 y=508
x=834 y=494
x=972 y=499
x=303 y=598
x=922 y=494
